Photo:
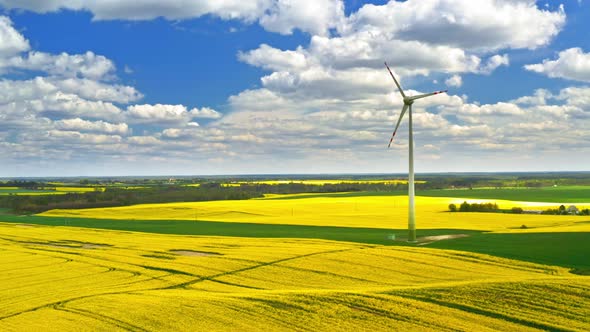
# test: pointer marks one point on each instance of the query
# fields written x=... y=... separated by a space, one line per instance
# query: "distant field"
x=325 y=182
x=47 y=190
x=566 y=194
x=79 y=189
x=70 y=277
x=18 y=191
x=341 y=211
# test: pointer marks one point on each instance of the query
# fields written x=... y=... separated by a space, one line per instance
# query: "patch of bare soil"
x=422 y=241
x=194 y=253
x=25 y=226
x=70 y=244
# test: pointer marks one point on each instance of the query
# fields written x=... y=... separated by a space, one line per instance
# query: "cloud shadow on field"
x=379 y=236
x=567 y=249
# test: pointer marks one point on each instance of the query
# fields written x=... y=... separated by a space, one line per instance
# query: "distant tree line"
x=162 y=192
x=493 y=207
x=22 y=184
x=118 y=197
x=482 y=207
x=563 y=211
x=503 y=180
x=474 y=207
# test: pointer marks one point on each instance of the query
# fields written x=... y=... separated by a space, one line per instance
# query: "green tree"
x=465 y=207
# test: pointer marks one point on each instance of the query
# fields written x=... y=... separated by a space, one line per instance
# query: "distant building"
x=572 y=209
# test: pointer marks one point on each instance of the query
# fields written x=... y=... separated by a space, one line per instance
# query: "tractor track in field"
x=62 y=303
x=236 y=285
x=376 y=311
x=483 y=312
x=212 y=277
x=101 y=318
x=471 y=258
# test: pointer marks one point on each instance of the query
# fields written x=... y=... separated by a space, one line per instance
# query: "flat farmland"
x=346 y=211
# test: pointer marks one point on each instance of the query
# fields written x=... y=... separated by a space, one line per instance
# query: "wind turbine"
x=408 y=101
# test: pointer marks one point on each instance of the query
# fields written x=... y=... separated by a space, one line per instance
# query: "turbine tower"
x=408 y=101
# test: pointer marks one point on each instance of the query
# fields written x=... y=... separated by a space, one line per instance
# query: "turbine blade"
x=404 y=109
x=427 y=95
x=396 y=82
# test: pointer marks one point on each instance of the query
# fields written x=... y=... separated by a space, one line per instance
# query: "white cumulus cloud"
x=455 y=81
x=95 y=90
x=157 y=113
x=571 y=64
x=205 y=113
x=494 y=62
x=88 y=65
x=75 y=137
x=314 y=16
x=478 y=25
x=282 y=16
x=268 y=57
x=11 y=41
x=81 y=125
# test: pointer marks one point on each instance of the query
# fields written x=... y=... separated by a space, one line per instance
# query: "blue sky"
x=274 y=86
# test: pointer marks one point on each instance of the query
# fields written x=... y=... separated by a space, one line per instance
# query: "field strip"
x=470 y=257
x=360 y=290
x=375 y=212
x=45 y=253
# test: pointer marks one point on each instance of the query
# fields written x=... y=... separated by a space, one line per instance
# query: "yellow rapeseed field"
x=48 y=190
x=66 y=278
x=367 y=211
x=79 y=189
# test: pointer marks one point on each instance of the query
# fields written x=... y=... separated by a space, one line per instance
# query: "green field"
x=566 y=194
x=570 y=194
x=237 y=229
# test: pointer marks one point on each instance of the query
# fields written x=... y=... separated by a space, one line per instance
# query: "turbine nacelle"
x=408 y=101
